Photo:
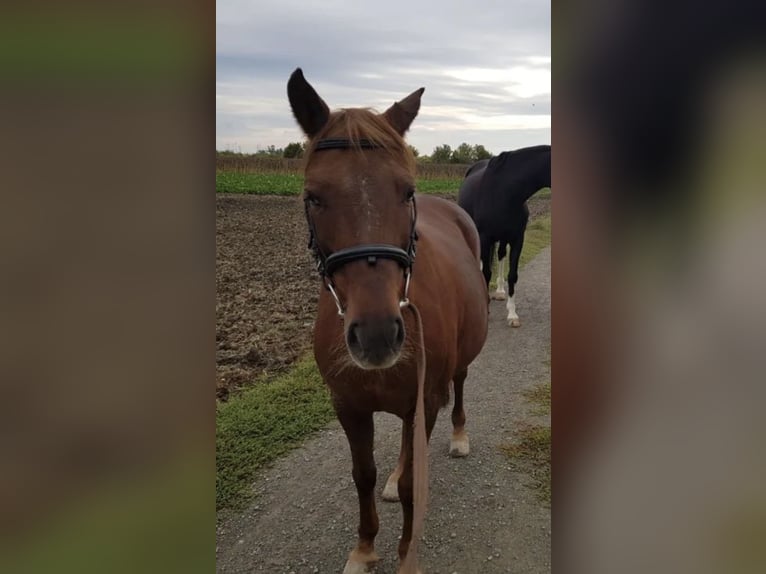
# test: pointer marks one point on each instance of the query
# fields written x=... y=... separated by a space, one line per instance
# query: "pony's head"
x=359 y=198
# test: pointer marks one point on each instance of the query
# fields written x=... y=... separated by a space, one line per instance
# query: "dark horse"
x=382 y=311
x=494 y=192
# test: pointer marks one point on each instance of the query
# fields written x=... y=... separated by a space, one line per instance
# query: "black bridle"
x=329 y=264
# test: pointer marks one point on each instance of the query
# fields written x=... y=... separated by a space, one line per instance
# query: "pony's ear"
x=401 y=114
x=308 y=108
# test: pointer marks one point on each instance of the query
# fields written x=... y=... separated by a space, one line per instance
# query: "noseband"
x=329 y=264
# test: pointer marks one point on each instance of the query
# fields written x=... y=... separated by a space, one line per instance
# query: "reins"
x=419 y=454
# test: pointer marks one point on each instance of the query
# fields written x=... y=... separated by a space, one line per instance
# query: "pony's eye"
x=312 y=200
x=410 y=194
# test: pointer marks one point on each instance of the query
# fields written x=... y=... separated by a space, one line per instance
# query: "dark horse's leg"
x=458 y=445
x=500 y=293
x=513 y=277
x=360 y=432
x=487 y=246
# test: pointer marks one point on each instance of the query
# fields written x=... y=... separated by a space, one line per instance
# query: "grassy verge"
x=264 y=422
x=530 y=451
x=292 y=184
x=531 y=454
x=540 y=397
x=536 y=238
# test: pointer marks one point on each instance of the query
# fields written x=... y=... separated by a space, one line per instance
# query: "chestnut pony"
x=392 y=328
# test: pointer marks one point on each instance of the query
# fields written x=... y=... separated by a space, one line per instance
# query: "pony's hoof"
x=459 y=448
x=514 y=322
x=391 y=490
x=499 y=296
x=359 y=562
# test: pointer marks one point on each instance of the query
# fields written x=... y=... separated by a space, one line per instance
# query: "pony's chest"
x=376 y=391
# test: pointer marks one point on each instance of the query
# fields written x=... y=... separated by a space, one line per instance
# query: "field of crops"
x=292 y=184
x=279 y=176
x=260 y=164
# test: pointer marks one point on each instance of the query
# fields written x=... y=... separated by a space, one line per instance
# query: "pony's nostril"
x=352 y=337
x=398 y=332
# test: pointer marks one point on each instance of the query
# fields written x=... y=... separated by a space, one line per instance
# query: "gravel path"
x=481 y=517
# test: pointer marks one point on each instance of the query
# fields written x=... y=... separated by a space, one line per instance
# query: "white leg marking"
x=500 y=294
x=458 y=445
x=359 y=563
x=513 y=318
x=391 y=490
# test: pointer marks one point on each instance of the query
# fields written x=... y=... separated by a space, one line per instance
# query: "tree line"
x=464 y=153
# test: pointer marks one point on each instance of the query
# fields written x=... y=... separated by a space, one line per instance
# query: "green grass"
x=258 y=183
x=541 y=397
x=262 y=423
x=536 y=238
x=292 y=184
x=441 y=185
x=531 y=454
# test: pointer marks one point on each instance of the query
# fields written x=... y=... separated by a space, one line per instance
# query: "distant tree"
x=441 y=154
x=480 y=152
x=270 y=151
x=464 y=153
x=293 y=150
x=414 y=150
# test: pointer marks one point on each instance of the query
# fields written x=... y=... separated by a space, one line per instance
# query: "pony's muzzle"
x=375 y=344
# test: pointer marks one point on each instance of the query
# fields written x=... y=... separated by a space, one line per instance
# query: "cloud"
x=486 y=69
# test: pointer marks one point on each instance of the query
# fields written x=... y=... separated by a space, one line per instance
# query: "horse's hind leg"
x=391 y=490
x=500 y=293
x=360 y=432
x=458 y=442
x=487 y=245
x=513 y=277
x=458 y=445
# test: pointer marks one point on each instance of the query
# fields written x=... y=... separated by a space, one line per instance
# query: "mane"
x=363 y=123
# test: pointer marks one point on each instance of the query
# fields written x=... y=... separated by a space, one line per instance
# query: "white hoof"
x=359 y=563
x=391 y=490
x=514 y=322
x=459 y=448
x=499 y=296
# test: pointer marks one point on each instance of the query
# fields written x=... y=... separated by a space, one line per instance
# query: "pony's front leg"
x=360 y=431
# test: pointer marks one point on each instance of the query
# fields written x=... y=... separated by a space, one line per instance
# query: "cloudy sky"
x=485 y=66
